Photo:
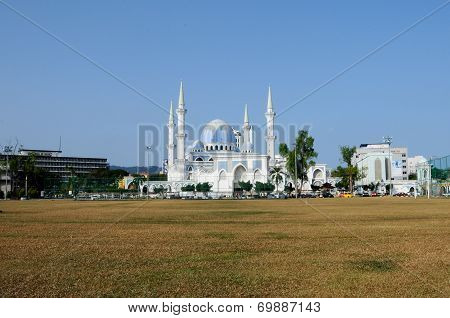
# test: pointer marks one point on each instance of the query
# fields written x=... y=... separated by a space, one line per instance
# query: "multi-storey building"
x=381 y=163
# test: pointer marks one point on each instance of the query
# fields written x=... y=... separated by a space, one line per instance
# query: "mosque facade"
x=223 y=156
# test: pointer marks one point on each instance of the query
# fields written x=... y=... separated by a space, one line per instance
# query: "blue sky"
x=226 y=53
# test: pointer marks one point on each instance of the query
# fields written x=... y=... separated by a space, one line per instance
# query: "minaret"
x=171 y=144
x=270 y=137
x=181 y=135
x=246 y=146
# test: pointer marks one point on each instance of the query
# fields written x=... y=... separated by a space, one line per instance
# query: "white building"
x=222 y=156
x=383 y=165
x=413 y=162
x=380 y=163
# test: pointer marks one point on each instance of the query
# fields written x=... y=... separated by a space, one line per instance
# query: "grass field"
x=361 y=247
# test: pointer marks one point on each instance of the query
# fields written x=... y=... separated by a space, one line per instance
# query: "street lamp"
x=388 y=140
x=148 y=169
x=7 y=150
x=295 y=167
x=430 y=180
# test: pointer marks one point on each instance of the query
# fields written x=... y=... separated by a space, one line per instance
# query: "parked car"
x=327 y=195
x=401 y=194
x=307 y=195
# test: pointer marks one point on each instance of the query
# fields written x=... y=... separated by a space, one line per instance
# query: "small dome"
x=197 y=146
x=218 y=132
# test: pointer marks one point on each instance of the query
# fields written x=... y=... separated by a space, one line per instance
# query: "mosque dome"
x=218 y=135
x=197 y=146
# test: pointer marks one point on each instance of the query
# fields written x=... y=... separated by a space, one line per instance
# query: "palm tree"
x=277 y=175
x=137 y=180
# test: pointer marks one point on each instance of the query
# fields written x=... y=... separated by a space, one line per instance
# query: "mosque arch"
x=378 y=175
x=239 y=174
x=257 y=176
x=318 y=174
x=388 y=169
x=222 y=184
x=199 y=159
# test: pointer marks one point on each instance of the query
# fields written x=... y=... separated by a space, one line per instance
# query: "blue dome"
x=217 y=132
x=197 y=146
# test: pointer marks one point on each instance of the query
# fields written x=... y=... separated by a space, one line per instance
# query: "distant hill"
x=153 y=169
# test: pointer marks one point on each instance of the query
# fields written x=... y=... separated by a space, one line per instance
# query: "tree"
x=188 y=188
x=289 y=188
x=204 y=187
x=137 y=180
x=439 y=174
x=350 y=173
x=277 y=174
x=301 y=157
x=246 y=186
x=264 y=187
x=160 y=190
x=22 y=171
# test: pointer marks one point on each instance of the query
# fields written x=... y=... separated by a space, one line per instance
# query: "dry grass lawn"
x=361 y=247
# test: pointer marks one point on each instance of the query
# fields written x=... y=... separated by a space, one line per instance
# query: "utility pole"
x=388 y=140
x=7 y=150
x=26 y=187
x=429 y=178
x=296 y=174
x=148 y=170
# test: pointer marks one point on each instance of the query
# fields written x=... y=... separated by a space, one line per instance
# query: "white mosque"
x=223 y=156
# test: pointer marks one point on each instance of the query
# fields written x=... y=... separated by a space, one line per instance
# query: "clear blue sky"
x=227 y=53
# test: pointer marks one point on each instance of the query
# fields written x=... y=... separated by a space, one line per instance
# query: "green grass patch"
x=373 y=265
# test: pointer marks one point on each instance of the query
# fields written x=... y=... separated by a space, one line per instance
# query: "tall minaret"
x=270 y=137
x=246 y=128
x=181 y=135
x=171 y=144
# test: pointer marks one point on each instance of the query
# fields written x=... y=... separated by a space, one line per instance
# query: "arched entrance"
x=258 y=177
x=318 y=174
x=238 y=175
x=222 y=185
